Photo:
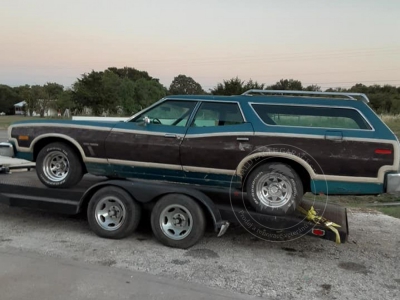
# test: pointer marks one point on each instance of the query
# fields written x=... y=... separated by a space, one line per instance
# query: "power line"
x=267 y=57
x=388 y=80
x=288 y=74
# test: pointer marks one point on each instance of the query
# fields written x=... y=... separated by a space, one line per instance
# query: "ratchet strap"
x=311 y=215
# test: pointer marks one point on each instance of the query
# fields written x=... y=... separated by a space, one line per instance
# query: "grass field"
x=393 y=121
x=349 y=201
x=390 y=211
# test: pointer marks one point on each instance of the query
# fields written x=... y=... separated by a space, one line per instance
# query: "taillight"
x=383 y=151
x=318 y=232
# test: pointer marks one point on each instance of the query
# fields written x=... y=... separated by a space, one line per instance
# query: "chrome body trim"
x=6 y=149
x=290 y=92
x=393 y=183
x=313 y=105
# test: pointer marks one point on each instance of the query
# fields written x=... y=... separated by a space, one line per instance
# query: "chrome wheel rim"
x=274 y=190
x=176 y=222
x=110 y=213
x=56 y=166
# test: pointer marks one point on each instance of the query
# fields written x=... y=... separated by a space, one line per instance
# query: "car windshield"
x=170 y=112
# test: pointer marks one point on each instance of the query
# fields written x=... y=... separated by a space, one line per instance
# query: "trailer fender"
x=145 y=192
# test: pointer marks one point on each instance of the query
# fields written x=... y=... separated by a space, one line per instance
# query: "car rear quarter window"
x=310 y=116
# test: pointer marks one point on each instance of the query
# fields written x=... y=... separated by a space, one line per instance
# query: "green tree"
x=65 y=101
x=313 y=88
x=147 y=92
x=287 y=84
x=30 y=94
x=253 y=85
x=88 y=92
x=235 y=86
x=126 y=94
x=38 y=99
x=51 y=93
x=110 y=86
x=130 y=73
x=113 y=88
x=184 y=85
x=8 y=97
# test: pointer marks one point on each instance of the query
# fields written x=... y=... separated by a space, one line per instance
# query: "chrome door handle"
x=170 y=135
x=242 y=139
x=336 y=136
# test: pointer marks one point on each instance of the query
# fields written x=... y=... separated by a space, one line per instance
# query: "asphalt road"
x=367 y=267
x=3 y=135
x=25 y=275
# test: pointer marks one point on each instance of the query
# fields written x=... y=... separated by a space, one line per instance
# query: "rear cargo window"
x=310 y=116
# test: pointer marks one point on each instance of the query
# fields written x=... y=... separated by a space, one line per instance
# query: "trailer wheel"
x=113 y=213
x=178 y=221
x=59 y=166
x=274 y=188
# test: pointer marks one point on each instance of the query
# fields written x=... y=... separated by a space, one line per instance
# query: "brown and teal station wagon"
x=275 y=145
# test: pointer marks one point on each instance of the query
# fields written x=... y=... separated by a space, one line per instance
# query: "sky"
x=328 y=43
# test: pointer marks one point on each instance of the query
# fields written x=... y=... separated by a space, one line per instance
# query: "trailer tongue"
x=178 y=212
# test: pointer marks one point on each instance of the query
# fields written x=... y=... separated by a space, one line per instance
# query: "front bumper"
x=6 y=149
x=393 y=183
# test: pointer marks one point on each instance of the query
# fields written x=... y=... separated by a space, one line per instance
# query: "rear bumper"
x=393 y=183
x=6 y=149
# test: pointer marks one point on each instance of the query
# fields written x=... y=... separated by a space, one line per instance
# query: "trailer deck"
x=23 y=189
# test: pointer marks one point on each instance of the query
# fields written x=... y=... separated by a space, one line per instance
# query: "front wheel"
x=59 y=166
x=274 y=188
x=178 y=221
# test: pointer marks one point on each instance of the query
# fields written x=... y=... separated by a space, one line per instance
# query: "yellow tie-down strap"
x=311 y=215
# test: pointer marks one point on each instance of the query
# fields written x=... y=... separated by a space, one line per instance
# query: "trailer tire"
x=275 y=189
x=112 y=213
x=59 y=166
x=178 y=221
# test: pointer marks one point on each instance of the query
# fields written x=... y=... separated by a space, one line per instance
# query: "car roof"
x=284 y=96
x=273 y=99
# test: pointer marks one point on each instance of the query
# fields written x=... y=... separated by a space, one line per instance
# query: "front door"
x=150 y=151
x=217 y=140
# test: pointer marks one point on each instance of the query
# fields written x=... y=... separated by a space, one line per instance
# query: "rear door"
x=217 y=139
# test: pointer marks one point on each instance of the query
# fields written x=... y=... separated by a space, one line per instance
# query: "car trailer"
x=178 y=212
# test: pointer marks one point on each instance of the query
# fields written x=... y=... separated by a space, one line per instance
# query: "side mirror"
x=143 y=122
x=146 y=120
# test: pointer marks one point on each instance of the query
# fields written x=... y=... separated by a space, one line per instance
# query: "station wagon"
x=275 y=145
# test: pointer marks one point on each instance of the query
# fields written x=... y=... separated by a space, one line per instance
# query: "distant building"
x=19 y=110
x=19 y=107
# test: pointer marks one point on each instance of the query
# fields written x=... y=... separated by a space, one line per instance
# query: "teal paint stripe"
x=24 y=155
x=162 y=175
x=107 y=124
x=346 y=188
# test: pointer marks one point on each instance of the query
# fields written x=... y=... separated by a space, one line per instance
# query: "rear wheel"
x=113 y=213
x=178 y=221
x=274 y=188
x=59 y=166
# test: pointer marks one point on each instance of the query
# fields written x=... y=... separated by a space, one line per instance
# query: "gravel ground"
x=367 y=267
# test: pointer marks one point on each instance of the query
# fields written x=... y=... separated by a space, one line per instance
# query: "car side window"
x=169 y=112
x=217 y=114
x=311 y=116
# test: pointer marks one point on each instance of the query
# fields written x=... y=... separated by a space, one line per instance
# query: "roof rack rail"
x=348 y=95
